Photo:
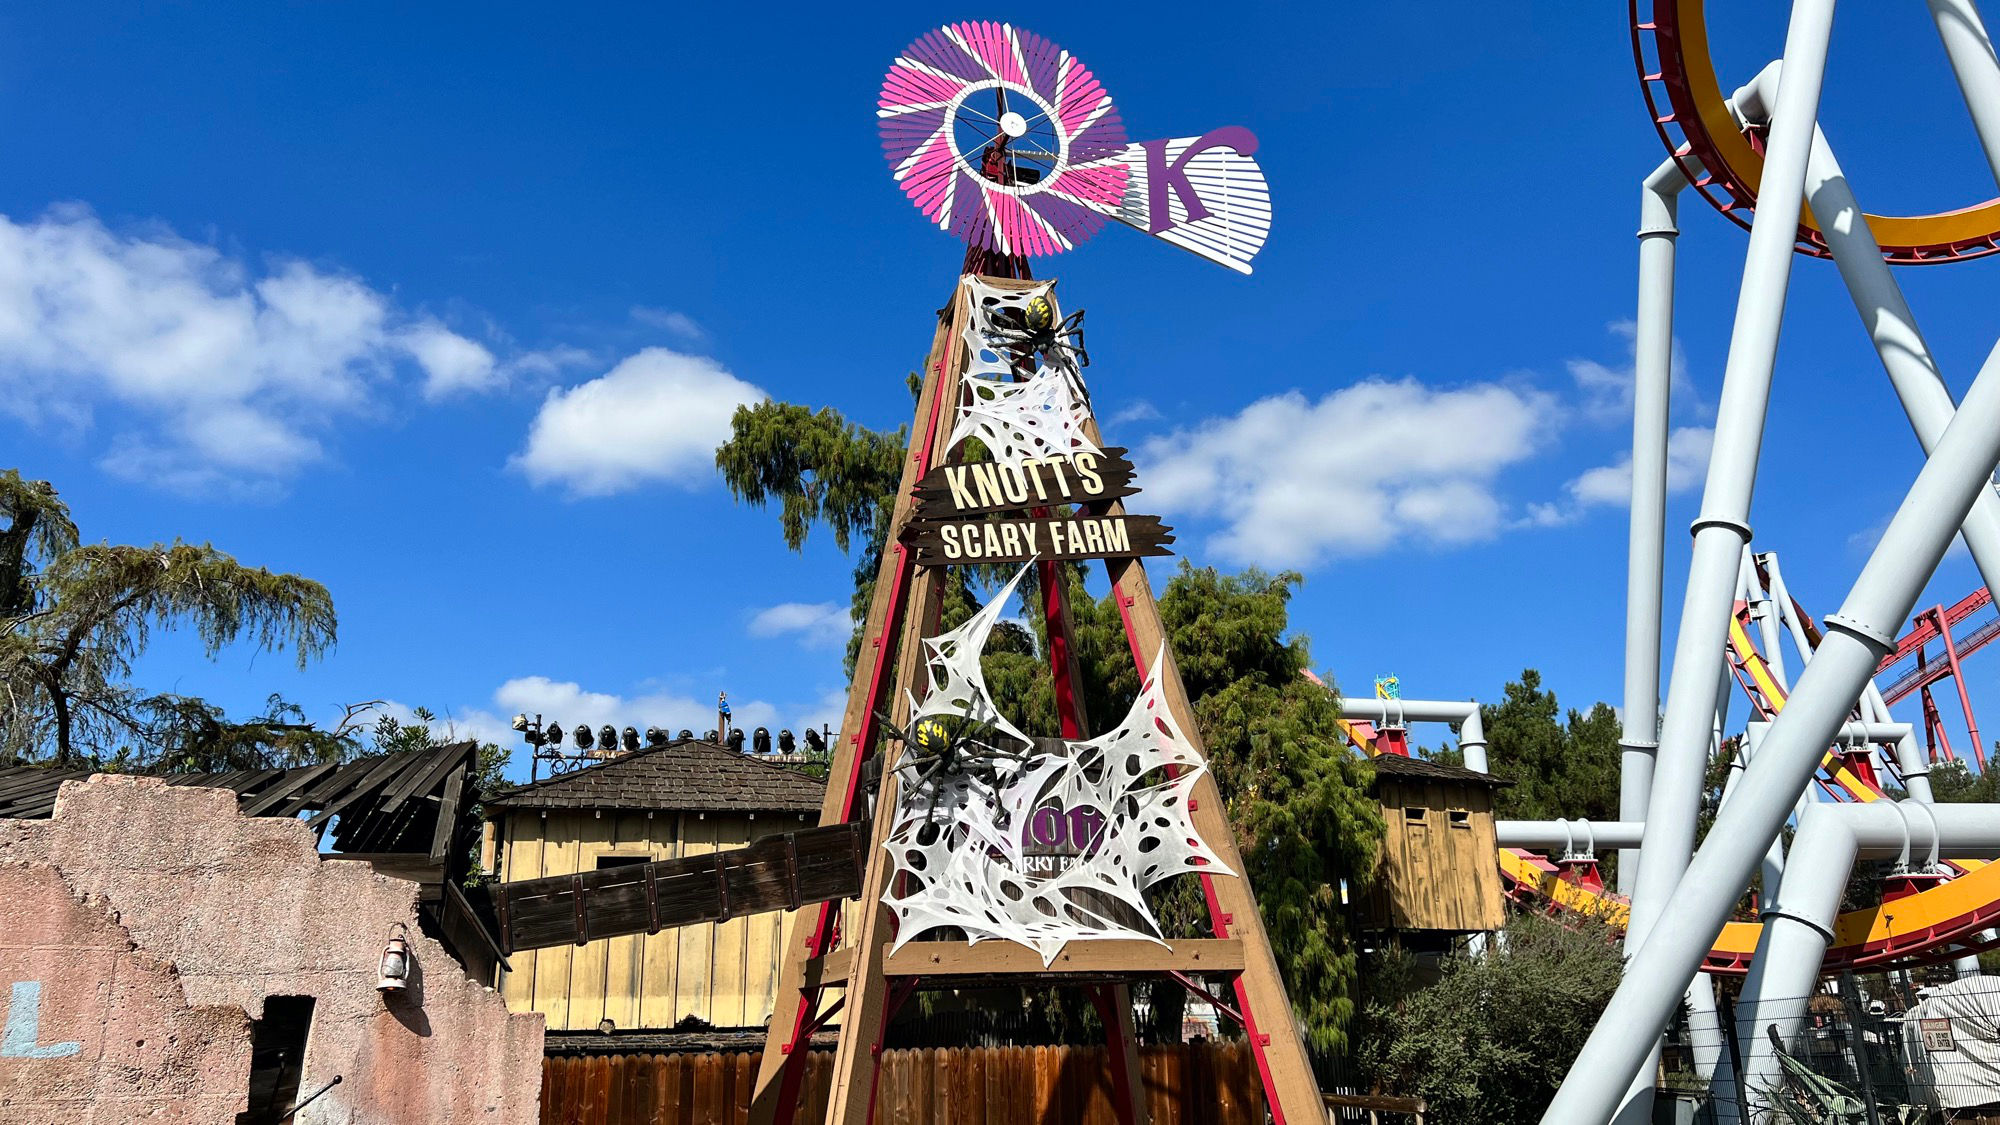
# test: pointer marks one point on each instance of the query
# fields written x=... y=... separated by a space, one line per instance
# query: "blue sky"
x=441 y=306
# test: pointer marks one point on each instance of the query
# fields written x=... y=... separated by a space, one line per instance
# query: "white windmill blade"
x=1206 y=195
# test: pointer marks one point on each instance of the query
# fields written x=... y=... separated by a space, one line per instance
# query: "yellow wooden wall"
x=1437 y=869
x=725 y=973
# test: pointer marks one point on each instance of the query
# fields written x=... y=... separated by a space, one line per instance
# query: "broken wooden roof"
x=688 y=775
x=408 y=802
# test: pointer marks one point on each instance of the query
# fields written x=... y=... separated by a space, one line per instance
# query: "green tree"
x=1488 y=1043
x=1562 y=765
x=1295 y=796
x=1955 y=782
x=78 y=616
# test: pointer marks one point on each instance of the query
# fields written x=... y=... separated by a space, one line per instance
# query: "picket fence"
x=1189 y=1084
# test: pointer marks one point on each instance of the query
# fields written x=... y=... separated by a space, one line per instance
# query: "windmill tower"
x=1011 y=144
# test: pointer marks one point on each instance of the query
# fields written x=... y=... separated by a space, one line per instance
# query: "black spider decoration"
x=1024 y=336
x=933 y=753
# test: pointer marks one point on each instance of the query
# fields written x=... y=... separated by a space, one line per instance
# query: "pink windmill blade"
x=1003 y=139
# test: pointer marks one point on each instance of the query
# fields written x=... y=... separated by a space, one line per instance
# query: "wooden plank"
x=1260 y=987
x=731 y=971
x=661 y=953
x=861 y=1021
x=765 y=930
x=968 y=489
x=597 y=1092
x=984 y=539
x=587 y=972
x=1000 y=958
x=560 y=845
x=708 y=1085
x=517 y=982
x=936 y=395
x=695 y=992
x=623 y=972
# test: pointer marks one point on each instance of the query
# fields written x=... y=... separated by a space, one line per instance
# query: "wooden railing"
x=780 y=872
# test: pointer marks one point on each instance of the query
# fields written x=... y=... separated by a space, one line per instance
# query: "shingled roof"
x=684 y=776
x=1423 y=769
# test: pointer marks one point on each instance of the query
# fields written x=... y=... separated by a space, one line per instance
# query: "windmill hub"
x=1013 y=124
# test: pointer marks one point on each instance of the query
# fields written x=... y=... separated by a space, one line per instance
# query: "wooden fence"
x=1191 y=1084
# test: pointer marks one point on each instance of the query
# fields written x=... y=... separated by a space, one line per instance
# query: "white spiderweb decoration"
x=963 y=845
x=1040 y=417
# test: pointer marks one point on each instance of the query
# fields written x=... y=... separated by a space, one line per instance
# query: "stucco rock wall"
x=240 y=908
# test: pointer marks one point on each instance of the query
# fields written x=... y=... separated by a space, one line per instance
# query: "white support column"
x=1652 y=385
x=1723 y=530
x=1857 y=637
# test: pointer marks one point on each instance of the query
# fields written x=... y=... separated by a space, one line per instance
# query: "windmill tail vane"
x=1008 y=142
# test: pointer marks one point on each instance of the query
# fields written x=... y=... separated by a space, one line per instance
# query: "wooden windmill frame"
x=872 y=981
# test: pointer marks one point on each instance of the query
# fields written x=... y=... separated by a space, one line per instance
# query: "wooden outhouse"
x=1437 y=870
x=667 y=802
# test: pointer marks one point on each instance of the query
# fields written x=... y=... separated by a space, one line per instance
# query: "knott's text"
x=976 y=487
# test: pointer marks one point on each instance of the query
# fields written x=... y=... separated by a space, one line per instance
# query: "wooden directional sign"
x=973 y=487
x=979 y=540
x=951 y=524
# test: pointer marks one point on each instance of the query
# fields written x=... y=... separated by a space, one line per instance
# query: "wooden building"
x=1437 y=870
x=683 y=799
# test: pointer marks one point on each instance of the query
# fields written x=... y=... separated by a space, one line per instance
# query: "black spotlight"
x=710 y=736
x=631 y=738
x=655 y=736
x=786 y=743
x=684 y=735
x=736 y=739
x=607 y=736
x=554 y=734
x=760 y=740
x=815 y=742
x=582 y=736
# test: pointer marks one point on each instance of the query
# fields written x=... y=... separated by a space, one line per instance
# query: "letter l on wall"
x=24 y=1026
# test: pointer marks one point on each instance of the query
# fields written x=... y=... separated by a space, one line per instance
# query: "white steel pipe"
x=1857 y=637
x=1722 y=529
x=1892 y=327
x=1652 y=388
x=1799 y=927
x=1970 y=50
x=1465 y=715
x=1571 y=837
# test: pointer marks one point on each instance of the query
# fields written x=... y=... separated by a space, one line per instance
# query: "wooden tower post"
x=821 y=960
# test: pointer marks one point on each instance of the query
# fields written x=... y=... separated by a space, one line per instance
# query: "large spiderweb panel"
x=959 y=842
x=957 y=684
x=1037 y=418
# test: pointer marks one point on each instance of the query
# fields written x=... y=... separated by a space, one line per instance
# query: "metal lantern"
x=394 y=974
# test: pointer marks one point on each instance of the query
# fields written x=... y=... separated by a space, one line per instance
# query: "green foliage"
x=821 y=470
x=38 y=529
x=1489 y=1041
x=76 y=625
x=1560 y=769
x=1955 y=782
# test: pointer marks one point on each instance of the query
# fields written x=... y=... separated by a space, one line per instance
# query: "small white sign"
x=1937 y=1035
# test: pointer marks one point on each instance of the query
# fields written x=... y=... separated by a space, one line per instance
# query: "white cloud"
x=657 y=416
x=1687 y=462
x=1607 y=391
x=678 y=323
x=817 y=624
x=452 y=364
x=1364 y=468
x=1139 y=410
x=218 y=373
